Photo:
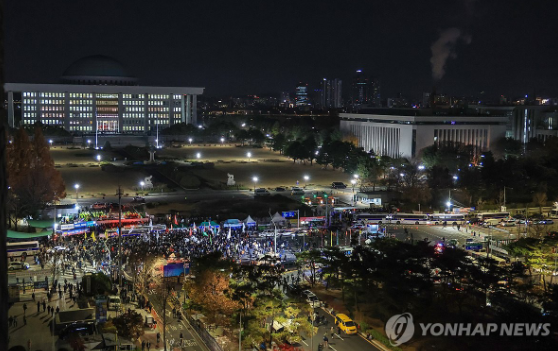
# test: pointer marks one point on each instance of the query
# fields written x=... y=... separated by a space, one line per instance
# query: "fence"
x=209 y=341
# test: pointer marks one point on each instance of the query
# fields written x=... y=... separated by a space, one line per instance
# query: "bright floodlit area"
x=79 y=166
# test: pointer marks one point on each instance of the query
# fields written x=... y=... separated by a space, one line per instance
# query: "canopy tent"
x=209 y=224
x=249 y=221
x=277 y=218
x=232 y=223
x=19 y=235
x=41 y=224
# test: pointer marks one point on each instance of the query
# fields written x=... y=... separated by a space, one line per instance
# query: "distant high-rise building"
x=302 y=95
x=285 y=100
x=365 y=90
x=330 y=93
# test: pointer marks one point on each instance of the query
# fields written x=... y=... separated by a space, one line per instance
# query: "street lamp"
x=198 y=155
x=76 y=186
x=142 y=184
x=255 y=180
x=249 y=155
x=306 y=179
x=99 y=159
x=353 y=181
x=190 y=141
x=222 y=141
x=50 y=142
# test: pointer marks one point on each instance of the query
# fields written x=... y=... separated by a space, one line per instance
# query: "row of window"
x=76 y=122
x=81 y=128
x=29 y=101
x=52 y=95
x=134 y=109
x=29 y=108
x=107 y=109
x=133 y=96
x=133 y=115
x=133 y=128
x=106 y=102
x=52 y=115
x=158 y=96
x=81 y=95
x=81 y=102
x=158 y=109
x=159 y=121
x=81 y=108
x=52 y=108
x=106 y=96
x=81 y=115
x=158 y=115
x=52 y=102
x=133 y=102
x=157 y=103
x=29 y=94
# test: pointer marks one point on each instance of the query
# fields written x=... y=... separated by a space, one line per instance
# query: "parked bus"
x=408 y=218
x=371 y=218
x=493 y=215
x=448 y=218
x=27 y=248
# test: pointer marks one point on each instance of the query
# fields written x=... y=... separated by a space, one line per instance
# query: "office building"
x=365 y=91
x=301 y=92
x=407 y=132
x=330 y=93
x=97 y=95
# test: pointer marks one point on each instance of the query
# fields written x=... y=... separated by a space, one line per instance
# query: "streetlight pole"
x=76 y=186
x=353 y=181
x=120 y=238
x=505 y=187
x=255 y=180
x=249 y=155
x=306 y=179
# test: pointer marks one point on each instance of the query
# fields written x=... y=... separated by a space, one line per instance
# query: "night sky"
x=505 y=47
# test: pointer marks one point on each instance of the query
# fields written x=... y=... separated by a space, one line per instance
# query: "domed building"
x=97 y=70
x=96 y=95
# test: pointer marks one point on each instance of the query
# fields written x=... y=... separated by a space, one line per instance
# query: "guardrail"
x=209 y=341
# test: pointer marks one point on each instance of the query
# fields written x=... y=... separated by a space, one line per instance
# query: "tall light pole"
x=76 y=186
x=198 y=155
x=249 y=155
x=306 y=179
x=255 y=180
x=190 y=141
x=142 y=185
x=50 y=142
x=99 y=159
x=353 y=182
x=222 y=141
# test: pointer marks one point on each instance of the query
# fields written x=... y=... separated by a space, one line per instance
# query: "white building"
x=406 y=136
x=97 y=95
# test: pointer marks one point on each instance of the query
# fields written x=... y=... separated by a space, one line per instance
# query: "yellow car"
x=345 y=324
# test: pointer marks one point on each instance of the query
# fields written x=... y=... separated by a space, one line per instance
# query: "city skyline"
x=463 y=48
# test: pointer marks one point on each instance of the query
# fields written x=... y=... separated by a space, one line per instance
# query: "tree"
x=279 y=142
x=296 y=151
x=310 y=258
x=310 y=147
x=33 y=180
x=256 y=136
x=540 y=199
x=129 y=324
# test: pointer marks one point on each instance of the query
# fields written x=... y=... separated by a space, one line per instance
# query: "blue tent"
x=232 y=223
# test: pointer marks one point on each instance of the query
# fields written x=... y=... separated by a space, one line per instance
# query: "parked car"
x=138 y=200
x=508 y=223
x=261 y=192
x=338 y=185
x=16 y=266
x=297 y=191
x=280 y=188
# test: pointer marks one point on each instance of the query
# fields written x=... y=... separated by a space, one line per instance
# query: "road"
x=174 y=327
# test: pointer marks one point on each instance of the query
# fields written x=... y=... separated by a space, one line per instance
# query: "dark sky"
x=254 y=47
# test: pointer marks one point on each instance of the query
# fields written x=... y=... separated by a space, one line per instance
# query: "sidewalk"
x=39 y=325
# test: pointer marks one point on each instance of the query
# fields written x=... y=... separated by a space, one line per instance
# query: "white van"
x=491 y=222
x=114 y=303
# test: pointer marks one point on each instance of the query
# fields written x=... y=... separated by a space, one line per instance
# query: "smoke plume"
x=443 y=48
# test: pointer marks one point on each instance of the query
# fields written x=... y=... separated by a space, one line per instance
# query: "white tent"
x=277 y=218
x=249 y=221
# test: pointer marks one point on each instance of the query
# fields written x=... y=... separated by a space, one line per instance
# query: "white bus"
x=448 y=218
x=27 y=248
x=408 y=218
x=371 y=218
x=493 y=215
